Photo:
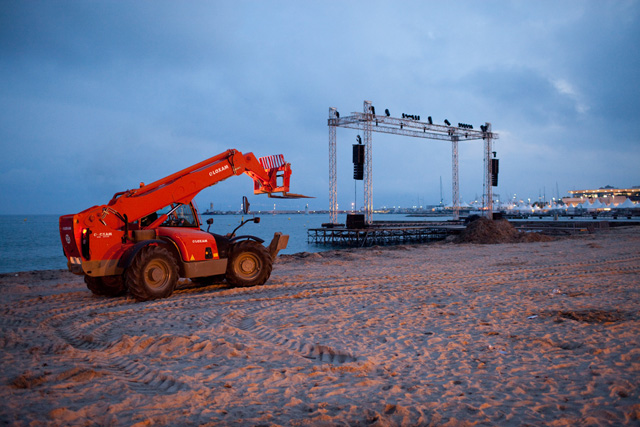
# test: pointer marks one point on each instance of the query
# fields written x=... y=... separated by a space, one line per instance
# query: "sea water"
x=32 y=242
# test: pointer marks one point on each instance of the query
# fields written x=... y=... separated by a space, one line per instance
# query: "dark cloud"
x=98 y=96
x=523 y=94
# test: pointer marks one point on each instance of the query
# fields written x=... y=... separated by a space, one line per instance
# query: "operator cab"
x=177 y=215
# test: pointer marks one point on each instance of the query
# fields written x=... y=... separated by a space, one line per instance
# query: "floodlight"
x=386 y=111
x=447 y=122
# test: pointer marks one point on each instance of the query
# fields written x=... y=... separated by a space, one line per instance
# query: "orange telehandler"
x=144 y=239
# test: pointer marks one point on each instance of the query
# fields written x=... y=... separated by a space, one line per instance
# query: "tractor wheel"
x=153 y=274
x=249 y=264
x=109 y=286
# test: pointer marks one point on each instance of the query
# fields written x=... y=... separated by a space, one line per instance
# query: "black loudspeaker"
x=495 y=166
x=358 y=162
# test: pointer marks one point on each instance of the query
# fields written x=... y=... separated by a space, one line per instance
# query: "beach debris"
x=532 y=317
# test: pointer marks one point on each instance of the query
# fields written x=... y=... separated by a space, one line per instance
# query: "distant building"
x=607 y=195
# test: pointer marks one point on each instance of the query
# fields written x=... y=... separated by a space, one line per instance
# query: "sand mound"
x=486 y=231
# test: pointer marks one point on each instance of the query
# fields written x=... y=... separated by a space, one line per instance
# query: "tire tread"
x=134 y=274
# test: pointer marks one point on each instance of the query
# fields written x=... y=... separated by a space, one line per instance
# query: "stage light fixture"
x=447 y=122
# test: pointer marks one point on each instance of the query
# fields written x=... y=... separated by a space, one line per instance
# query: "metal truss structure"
x=368 y=121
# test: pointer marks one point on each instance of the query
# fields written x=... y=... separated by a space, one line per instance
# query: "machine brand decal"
x=218 y=170
x=200 y=241
x=103 y=235
x=67 y=239
x=66 y=228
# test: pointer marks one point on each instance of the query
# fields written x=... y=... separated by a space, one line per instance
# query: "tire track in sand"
x=322 y=353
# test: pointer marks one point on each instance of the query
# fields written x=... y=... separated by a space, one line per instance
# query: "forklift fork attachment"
x=289 y=196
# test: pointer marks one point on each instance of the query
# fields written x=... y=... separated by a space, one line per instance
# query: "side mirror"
x=209 y=221
x=256 y=220
x=245 y=205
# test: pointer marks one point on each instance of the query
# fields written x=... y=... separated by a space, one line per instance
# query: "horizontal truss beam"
x=409 y=127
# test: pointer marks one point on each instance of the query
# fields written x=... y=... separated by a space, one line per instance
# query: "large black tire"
x=250 y=264
x=109 y=286
x=153 y=274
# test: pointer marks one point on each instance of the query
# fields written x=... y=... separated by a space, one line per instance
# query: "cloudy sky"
x=97 y=96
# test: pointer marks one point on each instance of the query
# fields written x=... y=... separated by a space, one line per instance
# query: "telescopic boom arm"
x=270 y=175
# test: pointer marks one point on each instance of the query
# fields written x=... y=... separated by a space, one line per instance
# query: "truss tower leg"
x=488 y=189
x=368 y=178
x=333 y=174
x=455 y=183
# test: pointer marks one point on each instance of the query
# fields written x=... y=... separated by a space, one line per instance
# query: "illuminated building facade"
x=605 y=195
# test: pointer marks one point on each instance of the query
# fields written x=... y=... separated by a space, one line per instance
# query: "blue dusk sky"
x=97 y=96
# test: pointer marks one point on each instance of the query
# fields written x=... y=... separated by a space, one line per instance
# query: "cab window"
x=181 y=216
x=184 y=216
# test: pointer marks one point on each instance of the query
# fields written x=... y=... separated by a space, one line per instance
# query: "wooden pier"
x=383 y=233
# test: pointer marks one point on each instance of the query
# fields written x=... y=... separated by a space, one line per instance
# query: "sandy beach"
x=542 y=333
